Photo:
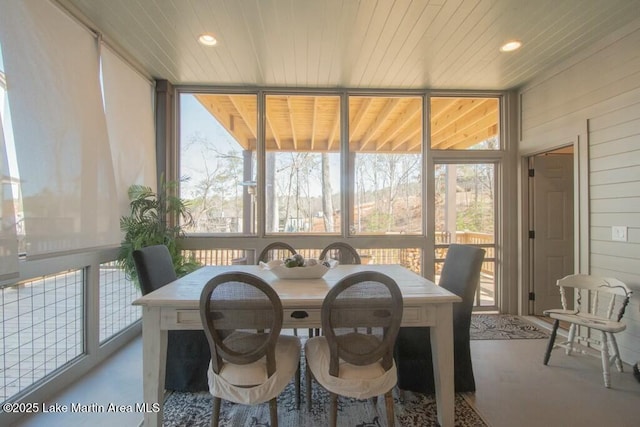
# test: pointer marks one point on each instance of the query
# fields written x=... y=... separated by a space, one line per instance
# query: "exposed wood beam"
x=457 y=116
x=481 y=115
x=313 y=122
x=455 y=122
x=294 y=137
x=380 y=119
x=410 y=131
x=224 y=116
x=403 y=124
x=414 y=144
x=275 y=136
x=471 y=136
x=250 y=119
x=357 y=121
x=335 y=129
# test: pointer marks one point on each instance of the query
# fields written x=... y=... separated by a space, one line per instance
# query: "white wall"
x=595 y=97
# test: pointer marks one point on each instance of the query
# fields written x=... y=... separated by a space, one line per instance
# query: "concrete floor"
x=514 y=389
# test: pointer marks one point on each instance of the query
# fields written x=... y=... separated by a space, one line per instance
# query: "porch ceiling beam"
x=379 y=121
x=294 y=137
x=358 y=120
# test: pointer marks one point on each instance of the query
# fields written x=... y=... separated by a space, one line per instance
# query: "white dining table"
x=175 y=306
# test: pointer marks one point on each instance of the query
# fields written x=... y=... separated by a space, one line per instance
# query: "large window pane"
x=465 y=213
x=302 y=164
x=385 y=140
x=465 y=123
x=465 y=203
x=218 y=135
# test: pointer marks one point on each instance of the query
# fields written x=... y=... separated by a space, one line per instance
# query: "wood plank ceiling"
x=376 y=124
x=396 y=44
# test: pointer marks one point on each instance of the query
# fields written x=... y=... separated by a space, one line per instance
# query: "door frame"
x=580 y=211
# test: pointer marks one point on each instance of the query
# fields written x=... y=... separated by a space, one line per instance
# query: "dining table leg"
x=442 y=350
x=154 y=362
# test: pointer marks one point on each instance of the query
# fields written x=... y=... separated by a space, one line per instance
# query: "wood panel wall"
x=595 y=96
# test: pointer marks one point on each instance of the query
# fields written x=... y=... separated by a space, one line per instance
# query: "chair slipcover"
x=460 y=275
x=359 y=382
x=234 y=380
x=188 y=352
x=349 y=362
x=250 y=361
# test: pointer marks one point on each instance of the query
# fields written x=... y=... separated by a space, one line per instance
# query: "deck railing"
x=61 y=317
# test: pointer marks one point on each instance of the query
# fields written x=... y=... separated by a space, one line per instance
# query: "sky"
x=196 y=120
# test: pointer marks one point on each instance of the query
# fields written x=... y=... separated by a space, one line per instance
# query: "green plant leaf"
x=154 y=219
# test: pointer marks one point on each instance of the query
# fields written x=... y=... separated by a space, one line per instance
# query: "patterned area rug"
x=503 y=327
x=411 y=410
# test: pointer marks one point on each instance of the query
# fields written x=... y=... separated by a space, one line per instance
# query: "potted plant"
x=155 y=220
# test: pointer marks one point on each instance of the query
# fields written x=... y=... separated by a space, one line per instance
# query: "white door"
x=552 y=226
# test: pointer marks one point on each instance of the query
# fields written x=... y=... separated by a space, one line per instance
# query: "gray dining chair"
x=187 y=351
x=460 y=275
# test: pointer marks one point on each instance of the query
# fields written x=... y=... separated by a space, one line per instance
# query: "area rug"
x=411 y=410
x=503 y=327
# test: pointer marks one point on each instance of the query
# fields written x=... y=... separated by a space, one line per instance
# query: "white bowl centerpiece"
x=297 y=267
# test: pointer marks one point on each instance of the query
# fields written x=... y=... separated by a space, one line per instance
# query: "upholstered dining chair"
x=600 y=303
x=187 y=351
x=275 y=250
x=348 y=362
x=278 y=250
x=343 y=252
x=247 y=367
x=460 y=275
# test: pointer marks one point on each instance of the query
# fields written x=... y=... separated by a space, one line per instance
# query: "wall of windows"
x=298 y=165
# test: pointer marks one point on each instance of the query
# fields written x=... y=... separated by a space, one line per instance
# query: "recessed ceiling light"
x=510 y=46
x=207 y=39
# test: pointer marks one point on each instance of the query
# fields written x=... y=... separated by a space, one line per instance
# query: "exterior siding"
x=596 y=96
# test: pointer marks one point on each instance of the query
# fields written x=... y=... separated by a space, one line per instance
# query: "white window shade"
x=8 y=236
x=67 y=180
x=128 y=99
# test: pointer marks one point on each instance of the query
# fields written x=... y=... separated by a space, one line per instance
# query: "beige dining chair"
x=350 y=362
x=247 y=367
x=600 y=303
